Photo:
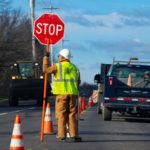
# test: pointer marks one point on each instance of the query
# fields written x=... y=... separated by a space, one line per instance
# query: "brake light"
x=110 y=81
x=106 y=104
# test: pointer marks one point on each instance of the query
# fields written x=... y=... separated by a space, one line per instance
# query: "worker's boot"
x=74 y=139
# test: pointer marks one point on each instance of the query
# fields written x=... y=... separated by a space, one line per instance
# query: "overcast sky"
x=98 y=30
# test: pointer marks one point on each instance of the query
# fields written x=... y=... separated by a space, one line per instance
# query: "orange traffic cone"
x=129 y=81
x=82 y=105
x=48 y=125
x=90 y=103
x=16 y=139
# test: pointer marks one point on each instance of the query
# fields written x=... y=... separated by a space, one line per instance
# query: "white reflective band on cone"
x=48 y=111
x=47 y=118
x=16 y=130
x=16 y=143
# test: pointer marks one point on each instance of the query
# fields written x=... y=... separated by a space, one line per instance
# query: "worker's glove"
x=45 y=60
x=47 y=54
x=45 y=63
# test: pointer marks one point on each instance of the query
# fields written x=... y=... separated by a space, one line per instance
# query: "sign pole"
x=44 y=95
x=51 y=60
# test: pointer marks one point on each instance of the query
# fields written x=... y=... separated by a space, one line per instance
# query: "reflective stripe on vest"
x=65 y=80
x=63 y=84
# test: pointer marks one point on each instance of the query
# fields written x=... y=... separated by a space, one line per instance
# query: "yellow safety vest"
x=66 y=79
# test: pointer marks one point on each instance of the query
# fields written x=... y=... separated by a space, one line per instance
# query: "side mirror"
x=97 y=78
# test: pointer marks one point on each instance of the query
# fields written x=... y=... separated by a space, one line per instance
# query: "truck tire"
x=106 y=114
x=13 y=100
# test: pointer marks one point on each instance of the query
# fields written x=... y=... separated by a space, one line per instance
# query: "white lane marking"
x=16 y=111
x=32 y=149
x=3 y=114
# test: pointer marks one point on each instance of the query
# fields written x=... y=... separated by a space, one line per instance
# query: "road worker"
x=65 y=86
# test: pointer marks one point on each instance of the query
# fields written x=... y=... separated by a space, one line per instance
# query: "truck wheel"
x=13 y=100
x=106 y=114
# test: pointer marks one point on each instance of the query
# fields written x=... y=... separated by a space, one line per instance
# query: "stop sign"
x=49 y=26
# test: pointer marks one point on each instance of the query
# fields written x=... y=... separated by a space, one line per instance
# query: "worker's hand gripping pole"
x=44 y=95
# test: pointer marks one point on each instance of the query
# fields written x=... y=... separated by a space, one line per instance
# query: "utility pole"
x=51 y=8
x=62 y=43
x=32 y=6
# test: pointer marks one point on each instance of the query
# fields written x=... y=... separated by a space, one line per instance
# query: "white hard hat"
x=65 y=53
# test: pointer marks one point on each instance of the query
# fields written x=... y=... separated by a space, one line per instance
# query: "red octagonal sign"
x=49 y=27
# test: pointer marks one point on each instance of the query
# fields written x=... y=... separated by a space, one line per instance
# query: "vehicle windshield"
x=25 y=69
x=140 y=75
x=123 y=72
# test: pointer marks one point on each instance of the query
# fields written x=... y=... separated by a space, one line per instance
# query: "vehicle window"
x=25 y=69
x=123 y=72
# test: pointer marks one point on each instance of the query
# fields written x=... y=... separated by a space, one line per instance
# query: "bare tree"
x=15 y=36
x=15 y=43
x=5 y=5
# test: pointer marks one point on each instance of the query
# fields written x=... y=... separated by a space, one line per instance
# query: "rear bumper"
x=138 y=104
x=128 y=106
x=31 y=92
x=27 y=89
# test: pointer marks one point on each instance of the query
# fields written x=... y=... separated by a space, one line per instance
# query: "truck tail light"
x=110 y=81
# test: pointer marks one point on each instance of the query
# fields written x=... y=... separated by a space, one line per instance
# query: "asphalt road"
x=122 y=133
